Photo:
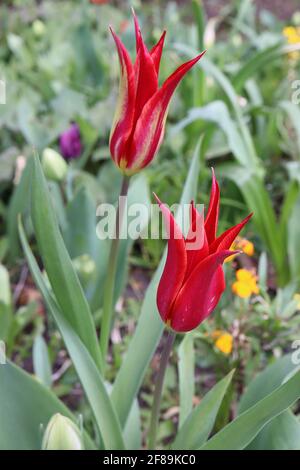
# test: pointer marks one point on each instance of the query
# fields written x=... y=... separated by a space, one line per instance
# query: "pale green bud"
x=38 y=28
x=85 y=267
x=237 y=40
x=62 y=434
x=5 y=291
x=296 y=18
x=54 y=166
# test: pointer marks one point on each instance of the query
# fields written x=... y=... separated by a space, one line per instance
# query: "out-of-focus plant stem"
x=199 y=79
x=164 y=359
x=198 y=95
x=109 y=288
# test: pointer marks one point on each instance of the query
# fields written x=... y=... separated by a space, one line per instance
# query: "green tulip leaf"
x=58 y=265
x=240 y=432
x=26 y=407
x=283 y=432
x=199 y=424
x=84 y=364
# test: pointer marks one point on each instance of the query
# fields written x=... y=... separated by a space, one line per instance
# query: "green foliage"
x=28 y=407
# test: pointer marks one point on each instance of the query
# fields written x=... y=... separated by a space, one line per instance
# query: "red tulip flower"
x=139 y=121
x=99 y=2
x=193 y=280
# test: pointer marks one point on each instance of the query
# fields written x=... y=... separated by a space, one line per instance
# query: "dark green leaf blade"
x=25 y=406
x=240 y=432
x=199 y=424
x=57 y=262
x=84 y=364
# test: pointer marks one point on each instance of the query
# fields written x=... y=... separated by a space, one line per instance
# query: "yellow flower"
x=297 y=298
x=247 y=247
x=224 y=343
x=292 y=35
x=245 y=284
x=243 y=245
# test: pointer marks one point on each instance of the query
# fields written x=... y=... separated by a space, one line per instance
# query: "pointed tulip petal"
x=146 y=78
x=224 y=241
x=150 y=126
x=171 y=83
x=137 y=29
x=175 y=266
x=200 y=293
x=216 y=289
x=124 y=115
x=196 y=242
x=211 y=220
x=156 y=52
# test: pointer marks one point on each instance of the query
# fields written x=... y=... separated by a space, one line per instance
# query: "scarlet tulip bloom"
x=193 y=280
x=139 y=121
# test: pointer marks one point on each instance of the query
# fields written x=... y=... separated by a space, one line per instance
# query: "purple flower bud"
x=70 y=142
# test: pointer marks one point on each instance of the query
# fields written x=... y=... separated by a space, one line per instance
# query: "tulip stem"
x=109 y=286
x=164 y=359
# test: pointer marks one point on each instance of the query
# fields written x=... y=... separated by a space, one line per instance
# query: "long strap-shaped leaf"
x=150 y=326
x=85 y=366
x=57 y=262
x=282 y=432
x=186 y=376
x=259 y=201
x=209 y=68
x=218 y=112
x=26 y=405
x=259 y=60
x=199 y=424
x=267 y=381
x=18 y=204
x=240 y=432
